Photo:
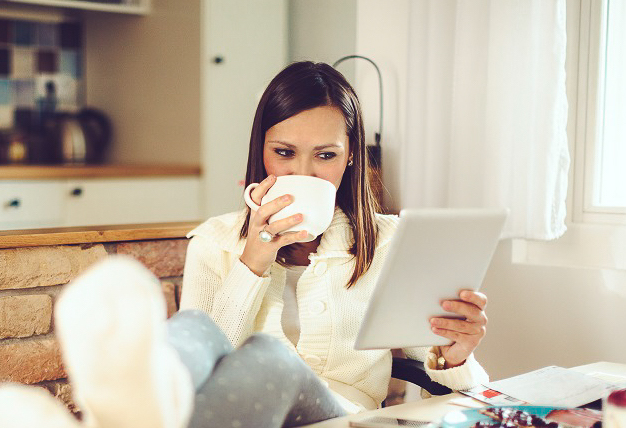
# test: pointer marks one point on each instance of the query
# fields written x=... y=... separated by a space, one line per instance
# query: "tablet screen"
x=433 y=255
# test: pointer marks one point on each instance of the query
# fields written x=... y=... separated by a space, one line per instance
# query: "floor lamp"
x=373 y=150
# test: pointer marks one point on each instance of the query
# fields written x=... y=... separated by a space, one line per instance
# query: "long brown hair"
x=302 y=86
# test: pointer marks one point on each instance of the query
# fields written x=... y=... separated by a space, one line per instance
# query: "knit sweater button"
x=312 y=360
x=320 y=268
x=317 y=307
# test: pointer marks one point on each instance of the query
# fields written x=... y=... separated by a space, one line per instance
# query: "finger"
x=257 y=194
x=460 y=326
x=470 y=311
x=475 y=297
x=279 y=226
x=269 y=209
x=468 y=342
x=454 y=336
x=291 y=237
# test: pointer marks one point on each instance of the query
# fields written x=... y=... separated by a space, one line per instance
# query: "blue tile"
x=24 y=93
x=70 y=63
x=47 y=34
x=5 y=92
x=24 y=33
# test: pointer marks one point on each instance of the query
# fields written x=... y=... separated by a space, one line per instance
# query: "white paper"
x=611 y=378
x=491 y=397
x=554 y=386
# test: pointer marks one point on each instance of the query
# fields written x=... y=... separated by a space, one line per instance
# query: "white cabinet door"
x=128 y=201
x=244 y=45
x=31 y=204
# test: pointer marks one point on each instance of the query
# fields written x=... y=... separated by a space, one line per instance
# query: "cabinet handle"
x=13 y=203
x=77 y=191
x=218 y=59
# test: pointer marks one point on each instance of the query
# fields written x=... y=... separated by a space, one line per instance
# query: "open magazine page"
x=549 y=386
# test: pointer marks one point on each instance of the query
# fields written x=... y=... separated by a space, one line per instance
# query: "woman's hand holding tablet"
x=427 y=292
x=466 y=333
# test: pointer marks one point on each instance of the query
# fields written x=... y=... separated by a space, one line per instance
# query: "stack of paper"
x=549 y=386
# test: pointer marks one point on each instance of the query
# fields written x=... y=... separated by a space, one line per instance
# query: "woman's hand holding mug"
x=259 y=255
x=290 y=208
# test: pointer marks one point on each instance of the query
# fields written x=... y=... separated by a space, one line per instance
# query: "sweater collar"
x=337 y=239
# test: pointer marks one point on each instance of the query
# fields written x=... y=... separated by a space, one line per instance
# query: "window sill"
x=592 y=246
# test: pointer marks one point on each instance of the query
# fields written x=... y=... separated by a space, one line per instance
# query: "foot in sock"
x=110 y=322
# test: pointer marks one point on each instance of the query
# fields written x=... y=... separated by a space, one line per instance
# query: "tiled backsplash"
x=40 y=67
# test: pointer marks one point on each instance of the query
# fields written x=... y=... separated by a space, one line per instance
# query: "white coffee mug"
x=313 y=197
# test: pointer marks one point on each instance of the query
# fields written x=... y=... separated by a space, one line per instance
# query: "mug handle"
x=248 y=199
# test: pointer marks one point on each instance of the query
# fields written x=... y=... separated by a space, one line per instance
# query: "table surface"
x=436 y=407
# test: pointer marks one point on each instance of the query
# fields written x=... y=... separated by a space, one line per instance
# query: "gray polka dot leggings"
x=260 y=384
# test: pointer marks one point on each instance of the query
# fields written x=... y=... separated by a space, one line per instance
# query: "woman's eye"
x=284 y=152
x=327 y=155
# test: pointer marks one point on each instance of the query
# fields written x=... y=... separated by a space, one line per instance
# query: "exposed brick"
x=169 y=292
x=26 y=315
x=44 y=266
x=31 y=361
x=165 y=257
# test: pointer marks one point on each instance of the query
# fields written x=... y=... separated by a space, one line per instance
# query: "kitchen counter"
x=42 y=172
x=90 y=234
x=93 y=234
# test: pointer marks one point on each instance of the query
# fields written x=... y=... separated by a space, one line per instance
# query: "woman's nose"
x=304 y=168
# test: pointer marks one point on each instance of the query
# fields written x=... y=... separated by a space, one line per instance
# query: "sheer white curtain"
x=487 y=110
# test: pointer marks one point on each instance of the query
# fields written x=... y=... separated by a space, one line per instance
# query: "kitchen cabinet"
x=206 y=64
x=98 y=201
x=245 y=46
x=31 y=203
x=135 y=7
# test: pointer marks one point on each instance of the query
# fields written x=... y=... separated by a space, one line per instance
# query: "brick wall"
x=31 y=279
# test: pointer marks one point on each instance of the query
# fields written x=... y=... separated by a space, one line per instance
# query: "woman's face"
x=313 y=142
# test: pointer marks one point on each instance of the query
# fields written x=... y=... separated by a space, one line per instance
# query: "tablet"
x=433 y=254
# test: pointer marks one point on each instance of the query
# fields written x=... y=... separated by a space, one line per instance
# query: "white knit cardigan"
x=242 y=303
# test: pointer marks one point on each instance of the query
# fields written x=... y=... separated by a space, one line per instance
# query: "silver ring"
x=265 y=236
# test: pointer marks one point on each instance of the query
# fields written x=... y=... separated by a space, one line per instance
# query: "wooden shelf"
x=142 y=8
x=42 y=172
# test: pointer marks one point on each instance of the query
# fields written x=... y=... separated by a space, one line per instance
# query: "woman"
x=311 y=296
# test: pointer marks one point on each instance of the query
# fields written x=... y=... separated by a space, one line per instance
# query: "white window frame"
x=596 y=237
x=589 y=100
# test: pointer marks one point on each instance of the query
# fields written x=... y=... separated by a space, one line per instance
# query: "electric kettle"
x=82 y=137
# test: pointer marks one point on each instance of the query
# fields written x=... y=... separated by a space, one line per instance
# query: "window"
x=596 y=236
x=601 y=134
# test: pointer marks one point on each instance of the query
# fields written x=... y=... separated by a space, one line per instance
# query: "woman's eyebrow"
x=320 y=147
